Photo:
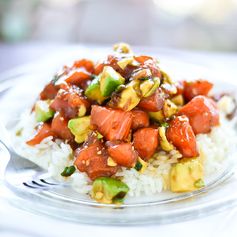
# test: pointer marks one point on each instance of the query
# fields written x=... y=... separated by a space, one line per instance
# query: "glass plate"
x=19 y=89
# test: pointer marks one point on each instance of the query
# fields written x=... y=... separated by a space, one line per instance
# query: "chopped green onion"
x=68 y=171
x=99 y=136
x=144 y=78
x=164 y=124
x=138 y=166
x=56 y=78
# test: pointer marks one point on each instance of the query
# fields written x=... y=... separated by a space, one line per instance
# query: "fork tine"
x=28 y=186
x=43 y=181
x=39 y=184
x=34 y=182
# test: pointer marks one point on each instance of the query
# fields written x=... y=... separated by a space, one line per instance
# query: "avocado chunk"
x=42 y=111
x=169 y=108
x=80 y=128
x=109 y=81
x=148 y=87
x=122 y=48
x=93 y=91
x=186 y=175
x=157 y=116
x=178 y=100
x=109 y=190
x=128 y=98
x=82 y=111
x=166 y=77
x=165 y=145
x=123 y=63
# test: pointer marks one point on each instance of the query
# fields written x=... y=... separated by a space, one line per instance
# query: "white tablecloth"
x=14 y=222
x=17 y=223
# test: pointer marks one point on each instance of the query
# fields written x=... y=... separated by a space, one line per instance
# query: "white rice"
x=154 y=178
x=54 y=156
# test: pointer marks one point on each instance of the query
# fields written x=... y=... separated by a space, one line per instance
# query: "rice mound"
x=215 y=147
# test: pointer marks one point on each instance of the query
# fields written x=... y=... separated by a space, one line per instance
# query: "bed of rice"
x=54 y=156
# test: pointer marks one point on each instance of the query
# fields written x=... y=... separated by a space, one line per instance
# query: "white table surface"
x=15 y=222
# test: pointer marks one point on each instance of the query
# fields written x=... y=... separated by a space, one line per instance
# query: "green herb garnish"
x=144 y=78
x=68 y=171
x=138 y=166
x=164 y=124
x=99 y=136
x=56 y=77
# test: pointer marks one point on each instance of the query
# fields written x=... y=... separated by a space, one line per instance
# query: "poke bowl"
x=123 y=138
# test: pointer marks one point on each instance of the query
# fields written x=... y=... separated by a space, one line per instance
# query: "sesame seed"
x=87 y=162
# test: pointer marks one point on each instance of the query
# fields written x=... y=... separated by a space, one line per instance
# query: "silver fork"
x=33 y=176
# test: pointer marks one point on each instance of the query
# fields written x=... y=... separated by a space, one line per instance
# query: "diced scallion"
x=141 y=165
x=164 y=124
x=68 y=171
x=138 y=166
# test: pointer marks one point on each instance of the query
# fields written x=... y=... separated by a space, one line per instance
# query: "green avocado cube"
x=187 y=175
x=127 y=98
x=80 y=127
x=93 y=91
x=109 y=81
x=157 y=116
x=109 y=190
x=43 y=111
